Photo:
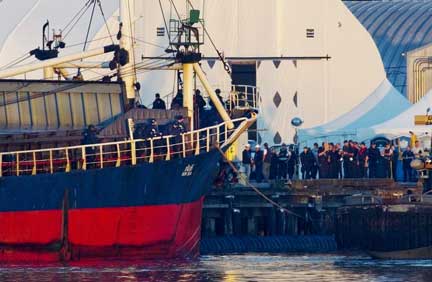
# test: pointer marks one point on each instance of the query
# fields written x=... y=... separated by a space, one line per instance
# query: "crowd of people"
x=333 y=161
x=268 y=163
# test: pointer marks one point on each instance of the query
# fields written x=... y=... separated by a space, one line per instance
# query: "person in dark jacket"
x=158 y=103
x=407 y=157
x=283 y=158
x=292 y=162
x=362 y=158
x=373 y=157
x=89 y=138
x=333 y=159
x=267 y=161
x=258 y=162
x=274 y=163
x=307 y=160
x=177 y=102
x=323 y=163
x=388 y=156
x=247 y=160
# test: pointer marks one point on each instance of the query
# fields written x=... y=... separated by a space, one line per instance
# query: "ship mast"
x=186 y=38
x=127 y=72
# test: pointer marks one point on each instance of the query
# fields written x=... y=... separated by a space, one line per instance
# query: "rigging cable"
x=105 y=20
x=87 y=6
x=165 y=22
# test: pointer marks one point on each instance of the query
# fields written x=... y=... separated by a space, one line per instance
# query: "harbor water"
x=230 y=268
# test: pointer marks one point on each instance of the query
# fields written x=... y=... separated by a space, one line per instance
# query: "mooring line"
x=258 y=191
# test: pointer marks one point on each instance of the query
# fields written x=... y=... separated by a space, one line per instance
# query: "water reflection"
x=230 y=268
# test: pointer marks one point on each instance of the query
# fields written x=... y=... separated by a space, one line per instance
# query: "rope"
x=282 y=209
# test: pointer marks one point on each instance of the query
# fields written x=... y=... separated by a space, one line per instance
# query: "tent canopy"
x=383 y=104
x=401 y=124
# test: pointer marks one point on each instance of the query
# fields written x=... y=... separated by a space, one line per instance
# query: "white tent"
x=400 y=125
x=383 y=104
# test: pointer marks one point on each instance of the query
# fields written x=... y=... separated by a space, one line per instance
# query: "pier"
x=239 y=212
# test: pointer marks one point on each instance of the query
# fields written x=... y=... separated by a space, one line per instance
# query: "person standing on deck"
x=258 y=162
x=283 y=157
x=315 y=168
x=362 y=158
x=407 y=157
x=158 y=103
x=323 y=161
x=247 y=160
x=373 y=157
x=387 y=155
x=267 y=162
x=292 y=162
x=395 y=159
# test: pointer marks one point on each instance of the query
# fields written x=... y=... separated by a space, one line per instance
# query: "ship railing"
x=243 y=97
x=240 y=97
x=115 y=154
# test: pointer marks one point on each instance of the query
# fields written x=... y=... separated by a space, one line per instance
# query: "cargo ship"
x=120 y=197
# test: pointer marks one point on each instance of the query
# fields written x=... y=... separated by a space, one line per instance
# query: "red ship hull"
x=148 y=232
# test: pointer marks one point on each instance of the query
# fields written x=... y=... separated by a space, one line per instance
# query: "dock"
x=239 y=212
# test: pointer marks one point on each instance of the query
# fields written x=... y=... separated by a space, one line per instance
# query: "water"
x=230 y=268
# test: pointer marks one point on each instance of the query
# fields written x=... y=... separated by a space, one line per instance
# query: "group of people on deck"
x=268 y=164
x=333 y=161
x=356 y=160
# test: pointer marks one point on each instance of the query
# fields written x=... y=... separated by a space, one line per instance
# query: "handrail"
x=101 y=155
x=242 y=96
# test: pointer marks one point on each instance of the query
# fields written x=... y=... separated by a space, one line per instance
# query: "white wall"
x=249 y=28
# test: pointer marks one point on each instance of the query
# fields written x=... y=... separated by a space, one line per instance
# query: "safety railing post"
x=1 y=165
x=217 y=135
x=84 y=158
x=68 y=164
x=168 y=147
x=34 y=169
x=226 y=132
x=151 y=158
x=133 y=152
x=183 y=145
x=101 y=160
x=118 y=162
x=208 y=140
x=197 y=145
x=17 y=165
x=51 y=163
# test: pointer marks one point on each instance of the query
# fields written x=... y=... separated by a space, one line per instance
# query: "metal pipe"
x=127 y=8
x=188 y=92
x=57 y=61
x=219 y=107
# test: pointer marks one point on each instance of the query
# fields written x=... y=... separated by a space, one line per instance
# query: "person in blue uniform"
x=158 y=103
